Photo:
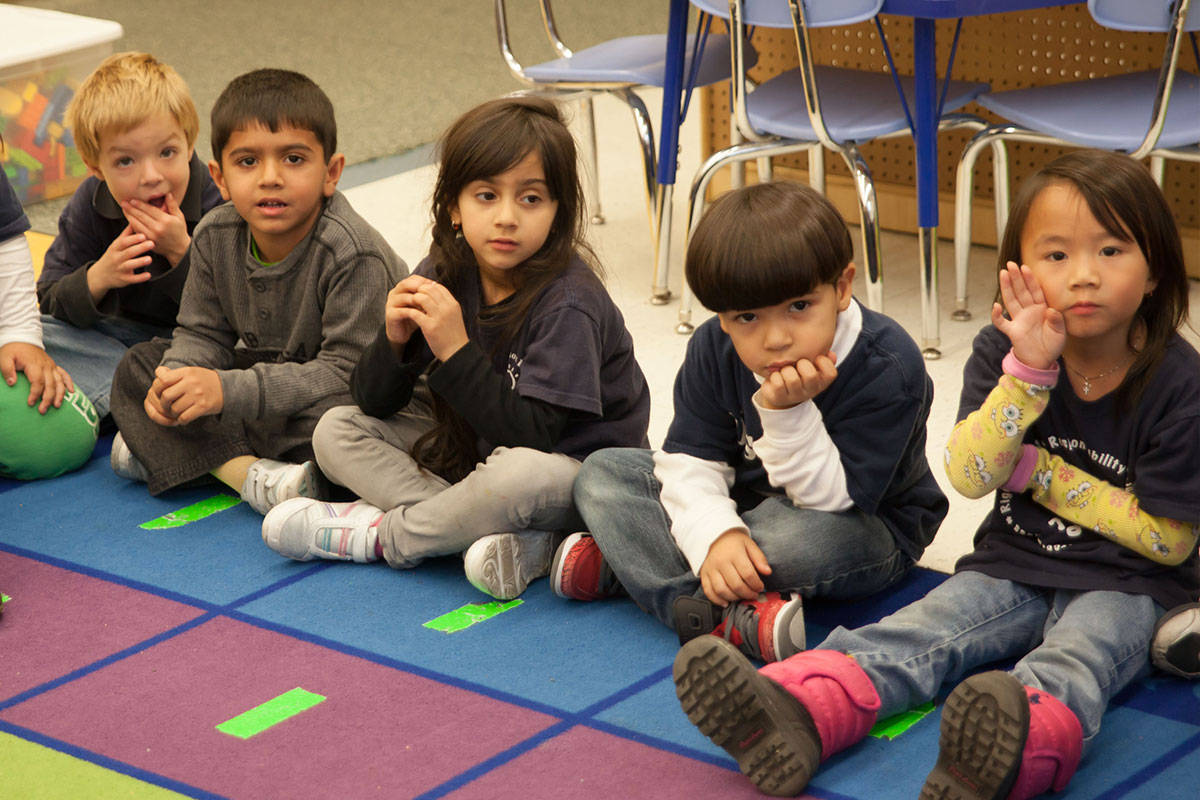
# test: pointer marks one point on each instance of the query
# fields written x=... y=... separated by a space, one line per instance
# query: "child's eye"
x=124 y=161
x=531 y=199
x=247 y=161
x=168 y=152
x=293 y=159
x=745 y=316
x=799 y=305
x=1110 y=251
x=485 y=195
x=1057 y=255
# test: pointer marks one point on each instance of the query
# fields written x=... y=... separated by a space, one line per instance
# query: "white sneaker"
x=268 y=483
x=303 y=529
x=503 y=564
x=124 y=462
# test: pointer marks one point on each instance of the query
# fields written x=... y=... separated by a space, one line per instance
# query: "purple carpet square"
x=586 y=763
x=379 y=733
x=59 y=621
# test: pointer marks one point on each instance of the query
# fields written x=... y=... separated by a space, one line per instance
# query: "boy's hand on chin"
x=799 y=382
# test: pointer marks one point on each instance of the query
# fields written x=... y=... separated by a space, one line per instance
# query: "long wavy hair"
x=485 y=142
x=1124 y=199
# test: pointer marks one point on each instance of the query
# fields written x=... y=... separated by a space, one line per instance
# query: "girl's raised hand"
x=399 y=325
x=440 y=317
x=1037 y=331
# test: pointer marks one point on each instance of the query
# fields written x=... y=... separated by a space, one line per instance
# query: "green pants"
x=34 y=445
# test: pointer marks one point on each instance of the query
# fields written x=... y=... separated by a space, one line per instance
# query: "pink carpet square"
x=380 y=732
x=59 y=621
x=584 y=763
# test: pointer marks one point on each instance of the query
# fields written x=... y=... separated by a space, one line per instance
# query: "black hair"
x=764 y=244
x=273 y=98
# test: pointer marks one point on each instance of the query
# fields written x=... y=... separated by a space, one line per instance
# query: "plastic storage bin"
x=44 y=57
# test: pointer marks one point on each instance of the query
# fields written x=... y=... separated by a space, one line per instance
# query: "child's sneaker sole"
x=766 y=730
x=985 y=722
x=503 y=564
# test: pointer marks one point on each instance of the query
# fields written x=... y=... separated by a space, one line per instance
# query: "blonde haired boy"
x=114 y=274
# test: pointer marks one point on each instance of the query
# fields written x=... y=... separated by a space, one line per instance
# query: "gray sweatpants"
x=514 y=490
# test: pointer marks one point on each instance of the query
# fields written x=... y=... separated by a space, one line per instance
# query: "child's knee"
x=333 y=429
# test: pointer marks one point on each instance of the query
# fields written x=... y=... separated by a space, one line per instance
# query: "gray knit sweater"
x=300 y=323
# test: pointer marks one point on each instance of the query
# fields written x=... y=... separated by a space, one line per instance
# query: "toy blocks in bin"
x=46 y=55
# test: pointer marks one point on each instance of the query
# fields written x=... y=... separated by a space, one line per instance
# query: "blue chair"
x=812 y=108
x=617 y=67
x=1153 y=113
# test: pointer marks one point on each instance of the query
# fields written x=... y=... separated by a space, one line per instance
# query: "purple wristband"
x=1031 y=375
x=1024 y=469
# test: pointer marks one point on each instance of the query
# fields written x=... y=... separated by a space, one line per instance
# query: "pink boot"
x=1001 y=740
x=778 y=722
x=1052 y=749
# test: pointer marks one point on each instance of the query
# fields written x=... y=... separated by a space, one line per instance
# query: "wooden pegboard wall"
x=1009 y=51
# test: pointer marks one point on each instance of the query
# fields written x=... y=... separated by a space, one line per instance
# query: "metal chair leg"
x=868 y=212
x=590 y=159
x=816 y=168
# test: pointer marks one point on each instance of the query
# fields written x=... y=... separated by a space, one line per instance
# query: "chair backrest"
x=776 y=14
x=1142 y=15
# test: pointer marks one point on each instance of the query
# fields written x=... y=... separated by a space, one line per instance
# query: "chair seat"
x=856 y=105
x=1108 y=113
x=637 y=60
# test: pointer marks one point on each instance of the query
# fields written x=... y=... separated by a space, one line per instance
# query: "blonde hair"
x=122 y=92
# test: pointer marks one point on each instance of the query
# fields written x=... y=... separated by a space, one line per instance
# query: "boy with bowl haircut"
x=281 y=300
x=114 y=274
x=795 y=465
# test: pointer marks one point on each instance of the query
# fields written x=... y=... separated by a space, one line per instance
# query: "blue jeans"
x=1080 y=647
x=90 y=355
x=841 y=555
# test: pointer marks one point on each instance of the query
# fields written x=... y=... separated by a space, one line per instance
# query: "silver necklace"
x=1087 y=382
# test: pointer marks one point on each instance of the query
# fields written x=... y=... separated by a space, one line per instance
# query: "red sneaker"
x=769 y=628
x=579 y=571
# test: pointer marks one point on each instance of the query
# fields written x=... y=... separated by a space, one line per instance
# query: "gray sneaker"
x=124 y=462
x=268 y=483
x=503 y=564
x=1175 y=647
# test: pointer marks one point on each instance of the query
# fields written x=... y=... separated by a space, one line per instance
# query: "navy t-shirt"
x=875 y=413
x=1154 y=452
x=572 y=351
x=12 y=217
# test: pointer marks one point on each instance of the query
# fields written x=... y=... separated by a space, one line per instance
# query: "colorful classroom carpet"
x=154 y=647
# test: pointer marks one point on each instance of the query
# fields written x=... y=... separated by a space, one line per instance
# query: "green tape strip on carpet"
x=4 y=598
x=192 y=513
x=470 y=614
x=272 y=712
x=895 y=725
x=33 y=772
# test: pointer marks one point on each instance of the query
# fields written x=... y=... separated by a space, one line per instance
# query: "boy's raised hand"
x=182 y=395
x=165 y=228
x=799 y=382
x=1037 y=331
x=733 y=568
x=116 y=268
x=48 y=382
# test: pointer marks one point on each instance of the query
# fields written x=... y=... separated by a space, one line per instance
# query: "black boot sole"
x=754 y=719
x=985 y=722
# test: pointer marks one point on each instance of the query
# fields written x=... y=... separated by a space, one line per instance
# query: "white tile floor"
x=399 y=207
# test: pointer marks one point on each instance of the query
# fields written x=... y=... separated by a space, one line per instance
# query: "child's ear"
x=844 y=286
x=94 y=171
x=214 y=169
x=333 y=173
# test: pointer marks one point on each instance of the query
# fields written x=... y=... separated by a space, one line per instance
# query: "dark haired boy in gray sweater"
x=281 y=299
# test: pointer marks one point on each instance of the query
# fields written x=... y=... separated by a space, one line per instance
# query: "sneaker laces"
x=742 y=617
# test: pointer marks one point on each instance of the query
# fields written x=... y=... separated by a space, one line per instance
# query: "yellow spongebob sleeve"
x=984 y=447
x=1114 y=513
